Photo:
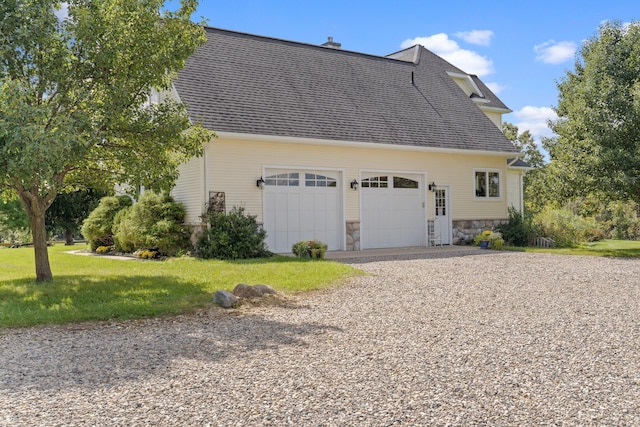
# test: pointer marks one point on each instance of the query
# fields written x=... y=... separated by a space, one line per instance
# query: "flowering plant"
x=494 y=238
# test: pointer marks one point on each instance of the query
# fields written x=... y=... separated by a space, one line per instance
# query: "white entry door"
x=393 y=213
x=302 y=205
x=442 y=222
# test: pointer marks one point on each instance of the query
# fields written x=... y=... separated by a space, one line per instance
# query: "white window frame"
x=487 y=171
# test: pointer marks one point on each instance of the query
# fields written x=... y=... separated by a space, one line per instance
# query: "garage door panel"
x=392 y=217
x=303 y=209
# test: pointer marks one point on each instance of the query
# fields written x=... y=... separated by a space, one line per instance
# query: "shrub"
x=314 y=249
x=98 y=227
x=624 y=220
x=235 y=235
x=564 y=227
x=156 y=223
x=594 y=235
x=517 y=231
x=497 y=244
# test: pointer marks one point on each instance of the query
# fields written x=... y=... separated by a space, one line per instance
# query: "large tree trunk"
x=36 y=207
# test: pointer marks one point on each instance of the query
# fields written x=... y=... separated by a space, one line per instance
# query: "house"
x=357 y=150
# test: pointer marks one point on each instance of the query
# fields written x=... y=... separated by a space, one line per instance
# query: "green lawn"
x=608 y=248
x=98 y=288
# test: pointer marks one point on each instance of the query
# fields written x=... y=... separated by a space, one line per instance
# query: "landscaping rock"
x=246 y=291
x=225 y=299
x=264 y=290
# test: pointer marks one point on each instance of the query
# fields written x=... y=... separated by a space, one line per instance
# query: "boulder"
x=225 y=299
x=246 y=291
x=264 y=290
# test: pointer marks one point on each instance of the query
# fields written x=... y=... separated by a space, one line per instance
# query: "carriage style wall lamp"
x=354 y=185
x=432 y=187
x=260 y=183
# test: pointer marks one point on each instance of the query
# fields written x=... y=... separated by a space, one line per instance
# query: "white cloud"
x=495 y=87
x=63 y=12
x=534 y=119
x=479 y=37
x=552 y=52
x=469 y=61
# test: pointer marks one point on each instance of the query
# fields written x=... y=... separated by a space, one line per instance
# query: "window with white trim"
x=487 y=184
x=283 y=180
x=375 y=182
x=315 y=180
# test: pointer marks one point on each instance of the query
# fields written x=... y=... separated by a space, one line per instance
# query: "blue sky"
x=519 y=48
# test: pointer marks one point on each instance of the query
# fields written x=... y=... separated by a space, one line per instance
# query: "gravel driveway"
x=484 y=339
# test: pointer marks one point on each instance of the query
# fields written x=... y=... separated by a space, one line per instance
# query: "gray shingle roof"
x=249 y=84
x=518 y=163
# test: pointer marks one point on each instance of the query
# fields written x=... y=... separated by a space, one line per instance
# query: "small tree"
x=68 y=211
x=74 y=93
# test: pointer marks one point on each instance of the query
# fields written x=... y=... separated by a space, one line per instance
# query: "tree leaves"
x=597 y=148
x=72 y=96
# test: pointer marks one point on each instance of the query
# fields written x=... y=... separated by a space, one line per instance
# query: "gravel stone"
x=495 y=338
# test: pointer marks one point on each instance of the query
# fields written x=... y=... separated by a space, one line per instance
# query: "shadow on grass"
x=81 y=298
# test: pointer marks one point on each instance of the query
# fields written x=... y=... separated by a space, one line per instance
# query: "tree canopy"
x=74 y=92
x=597 y=145
x=536 y=190
x=68 y=210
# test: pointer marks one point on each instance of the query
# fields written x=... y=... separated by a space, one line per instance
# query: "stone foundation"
x=353 y=235
x=465 y=230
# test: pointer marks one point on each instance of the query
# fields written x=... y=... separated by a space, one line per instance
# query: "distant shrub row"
x=617 y=220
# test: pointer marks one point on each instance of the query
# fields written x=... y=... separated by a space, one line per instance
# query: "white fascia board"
x=496 y=109
x=480 y=101
x=352 y=144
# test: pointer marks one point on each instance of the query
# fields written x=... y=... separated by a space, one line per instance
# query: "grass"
x=605 y=248
x=98 y=288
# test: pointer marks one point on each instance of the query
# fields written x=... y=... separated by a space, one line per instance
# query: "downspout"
x=205 y=171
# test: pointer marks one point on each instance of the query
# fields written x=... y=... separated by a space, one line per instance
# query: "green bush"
x=497 y=244
x=517 y=231
x=98 y=227
x=155 y=222
x=235 y=235
x=566 y=228
x=624 y=220
x=314 y=249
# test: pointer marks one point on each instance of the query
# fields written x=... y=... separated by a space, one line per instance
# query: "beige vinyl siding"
x=514 y=197
x=495 y=117
x=235 y=165
x=190 y=189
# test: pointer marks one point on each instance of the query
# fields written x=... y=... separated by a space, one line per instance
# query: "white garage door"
x=302 y=205
x=393 y=213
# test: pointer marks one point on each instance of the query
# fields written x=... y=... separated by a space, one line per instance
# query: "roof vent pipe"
x=412 y=79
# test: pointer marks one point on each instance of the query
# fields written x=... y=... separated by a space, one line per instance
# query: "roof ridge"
x=304 y=44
